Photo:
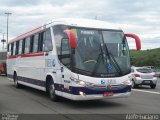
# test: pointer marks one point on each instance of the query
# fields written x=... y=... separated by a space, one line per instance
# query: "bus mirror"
x=72 y=38
x=137 y=40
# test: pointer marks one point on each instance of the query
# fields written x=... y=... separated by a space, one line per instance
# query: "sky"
x=141 y=17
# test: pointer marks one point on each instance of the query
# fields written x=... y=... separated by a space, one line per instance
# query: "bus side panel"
x=11 y=63
x=31 y=70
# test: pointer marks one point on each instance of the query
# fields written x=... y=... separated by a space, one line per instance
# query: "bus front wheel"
x=52 y=93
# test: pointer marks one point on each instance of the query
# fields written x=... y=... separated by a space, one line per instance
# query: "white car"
x=143 y=76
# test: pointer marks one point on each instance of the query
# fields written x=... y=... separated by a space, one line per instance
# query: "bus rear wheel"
x=16 y=84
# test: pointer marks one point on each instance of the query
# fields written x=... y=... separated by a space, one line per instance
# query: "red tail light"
x=136 y=75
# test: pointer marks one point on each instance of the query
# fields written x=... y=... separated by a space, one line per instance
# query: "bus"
x=3 y=57
x=78 y=59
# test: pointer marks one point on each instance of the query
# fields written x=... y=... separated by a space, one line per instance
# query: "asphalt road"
x=30 y=101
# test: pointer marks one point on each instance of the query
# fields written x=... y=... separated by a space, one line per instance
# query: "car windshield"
x=144 y=70
x=101 y=52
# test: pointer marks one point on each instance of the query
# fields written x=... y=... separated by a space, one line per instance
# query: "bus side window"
x=9 y=49
x=20 y=47
x=31 y=44
x=47 y=41
x=17 y=48
x=40 y=42
x=27 y=45
x=12 y=47
x=23 y=45
x=35 y=43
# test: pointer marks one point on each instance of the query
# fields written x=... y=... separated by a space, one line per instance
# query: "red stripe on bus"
x=11 y=57
x=26 y=55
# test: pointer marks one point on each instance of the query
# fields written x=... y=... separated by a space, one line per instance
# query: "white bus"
x=78 y=59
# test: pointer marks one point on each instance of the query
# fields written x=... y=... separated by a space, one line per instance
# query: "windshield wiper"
x=97 y=64
x=114 y=62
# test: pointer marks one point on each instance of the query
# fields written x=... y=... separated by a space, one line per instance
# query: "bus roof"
x=71 y=22
x=90 y=23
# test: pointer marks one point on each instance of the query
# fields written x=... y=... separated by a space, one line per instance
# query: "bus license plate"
x=108 y=94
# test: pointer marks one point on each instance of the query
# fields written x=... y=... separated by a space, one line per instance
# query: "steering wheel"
x=89 y=61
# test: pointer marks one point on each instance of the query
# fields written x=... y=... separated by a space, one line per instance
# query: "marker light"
x=82 y=93
x=82 y=83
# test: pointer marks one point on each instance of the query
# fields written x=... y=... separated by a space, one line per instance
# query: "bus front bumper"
x=100 y=96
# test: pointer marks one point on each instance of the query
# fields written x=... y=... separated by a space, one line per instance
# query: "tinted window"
x=31 y=44
x=58 y=35
x=23 y=45
x=40 y=42
x=65 y=52
x=143 y=70
x=48 y=41
x=14 y=48
x=12 y=45
x=35 y=43
x=8 y=47
x=27 y=45
x=20 y=47
x=17 y=48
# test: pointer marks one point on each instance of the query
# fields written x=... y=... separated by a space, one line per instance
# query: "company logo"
x=103 y=82
x=53 y=63
x=109 y=66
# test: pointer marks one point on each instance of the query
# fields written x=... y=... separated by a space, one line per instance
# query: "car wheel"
x=153 y=86
x=133 y=84
x=52 y=93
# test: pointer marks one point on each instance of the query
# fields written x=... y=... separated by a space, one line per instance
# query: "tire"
x=134 y=85
x=153 y=86
x=51 y=91
x=16 y=84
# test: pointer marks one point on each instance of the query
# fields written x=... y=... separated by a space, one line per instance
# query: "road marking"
x=146 y=91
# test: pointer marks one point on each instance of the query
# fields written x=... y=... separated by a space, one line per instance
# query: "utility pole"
x=7 y=13
x=3 y=40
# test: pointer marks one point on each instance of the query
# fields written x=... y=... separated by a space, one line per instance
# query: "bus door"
x=65 y=64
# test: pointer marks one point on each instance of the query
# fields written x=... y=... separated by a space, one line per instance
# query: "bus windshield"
x=101 y=53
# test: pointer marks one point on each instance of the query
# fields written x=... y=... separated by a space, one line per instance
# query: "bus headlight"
x=81 y=82
x=127 y=82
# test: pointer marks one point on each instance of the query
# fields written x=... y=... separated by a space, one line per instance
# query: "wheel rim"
x=132 y=84
x=52 y=91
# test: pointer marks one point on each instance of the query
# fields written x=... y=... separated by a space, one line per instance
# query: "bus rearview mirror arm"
x=72 y=38
x=137 y=40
